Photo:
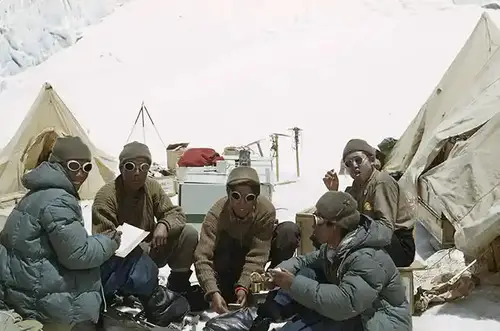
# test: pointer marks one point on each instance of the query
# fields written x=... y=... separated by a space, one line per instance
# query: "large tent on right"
x=450 y=153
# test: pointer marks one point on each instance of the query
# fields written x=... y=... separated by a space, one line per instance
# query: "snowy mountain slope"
x=224 y=72
x=33 y=30
x=198 y=65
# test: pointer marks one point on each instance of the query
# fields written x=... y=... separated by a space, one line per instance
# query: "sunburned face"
x=78 y=171
x=359 y=166
x=134 y=173
x=242 y=200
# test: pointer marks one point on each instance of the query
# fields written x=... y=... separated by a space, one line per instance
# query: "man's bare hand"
x=283 y=278
x=159 y=236
x=331 y=180
x=219 y=305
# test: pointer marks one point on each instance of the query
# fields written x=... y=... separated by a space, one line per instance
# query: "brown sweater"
x=113 y=207
x=380 y=198
x=255 y=232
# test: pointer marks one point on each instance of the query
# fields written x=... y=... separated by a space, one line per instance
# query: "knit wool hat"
x=134 y=150
x=69 y=148
x=243 y=175
x=357 y=145
x=339 y=208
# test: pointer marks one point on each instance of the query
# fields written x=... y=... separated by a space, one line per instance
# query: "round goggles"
x=318 y=220
x=75 y=166
x=131 y=166
x=237 y=196
x=358 y=160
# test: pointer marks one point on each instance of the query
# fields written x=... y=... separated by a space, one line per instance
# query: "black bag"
x=114 y=320
x=165 y=307
x=238 y=320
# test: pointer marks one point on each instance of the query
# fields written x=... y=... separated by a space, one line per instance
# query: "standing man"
x=236 y=240
x=135 y=199
x=378 y=196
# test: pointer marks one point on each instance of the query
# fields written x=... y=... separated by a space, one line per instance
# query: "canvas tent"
x=449 y=153
x=48 y=115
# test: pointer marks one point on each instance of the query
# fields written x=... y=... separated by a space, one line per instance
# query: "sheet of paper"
x=131 y=237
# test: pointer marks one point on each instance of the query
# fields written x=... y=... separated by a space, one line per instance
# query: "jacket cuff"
x=210 y=288
x=244 y=281
x=166 y=223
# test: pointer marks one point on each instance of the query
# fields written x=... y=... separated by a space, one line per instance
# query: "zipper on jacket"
x=105 y=306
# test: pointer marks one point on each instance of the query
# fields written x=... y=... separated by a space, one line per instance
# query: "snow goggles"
x=131 y=166
x=75 y=166
x=318 y=220
x=357 y=159
x=248 y=198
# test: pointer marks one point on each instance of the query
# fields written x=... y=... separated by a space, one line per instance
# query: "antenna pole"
x=143 y=123
x=296 y=132
x=275 y=148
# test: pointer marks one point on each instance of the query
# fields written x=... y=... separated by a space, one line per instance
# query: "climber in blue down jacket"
x=49 y=265
x=350 y=284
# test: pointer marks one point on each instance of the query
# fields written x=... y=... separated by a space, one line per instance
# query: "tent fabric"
x=49 y=114
x=466 y=186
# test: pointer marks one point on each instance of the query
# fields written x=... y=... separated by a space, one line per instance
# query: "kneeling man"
x=239 y=236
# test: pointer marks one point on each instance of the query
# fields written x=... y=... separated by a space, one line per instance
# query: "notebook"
x=131 y=238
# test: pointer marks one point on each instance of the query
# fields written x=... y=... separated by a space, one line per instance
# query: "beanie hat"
x=339 y=208
x=357 y=145
x=69 y=148
x=243 y=175
x=134 y=150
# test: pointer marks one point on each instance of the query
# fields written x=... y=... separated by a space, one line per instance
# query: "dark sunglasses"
x=75 y=166
x=357 y=159
x=249 y=197
x=131 y=166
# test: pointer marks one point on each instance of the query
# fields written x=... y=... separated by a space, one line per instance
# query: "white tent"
x=49 y=114
x=450 y=150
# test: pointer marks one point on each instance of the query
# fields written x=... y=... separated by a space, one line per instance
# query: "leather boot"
x=179 y=282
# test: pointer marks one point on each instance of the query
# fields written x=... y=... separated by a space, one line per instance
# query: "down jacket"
x=363 y=280
x=49 y=266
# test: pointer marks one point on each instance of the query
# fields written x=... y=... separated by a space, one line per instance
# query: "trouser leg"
x=136 y=274
x=402 y=247
x=178 y=253
x=229 y=258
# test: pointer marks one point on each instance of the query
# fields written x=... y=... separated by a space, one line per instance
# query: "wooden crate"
x=305 y=221
x=407 y=280
x=438 y=227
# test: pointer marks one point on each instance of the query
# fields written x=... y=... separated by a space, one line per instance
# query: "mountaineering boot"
x=260 y=324
x=179 y=282
x=270 y=311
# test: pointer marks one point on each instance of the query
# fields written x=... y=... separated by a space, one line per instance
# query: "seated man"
x=236 y=240
x=49 y=265
x=350 y=284
x=135 y=199
x=378 y=196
